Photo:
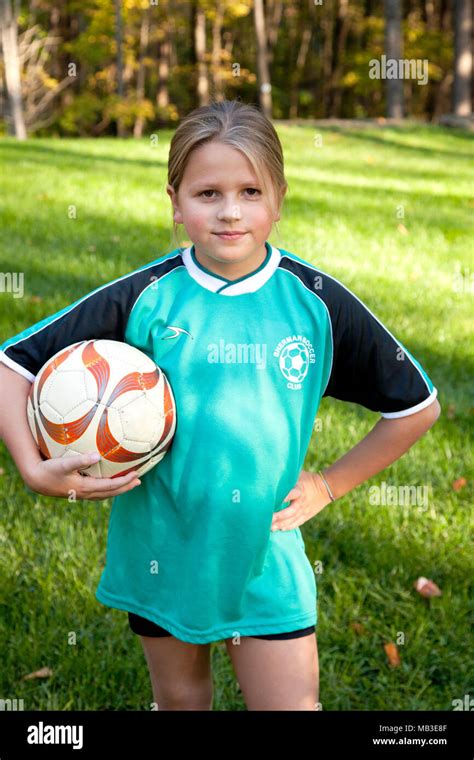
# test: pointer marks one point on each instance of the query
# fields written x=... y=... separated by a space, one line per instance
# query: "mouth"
x=230 y=235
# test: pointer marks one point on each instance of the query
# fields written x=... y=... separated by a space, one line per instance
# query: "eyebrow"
x=202 y=183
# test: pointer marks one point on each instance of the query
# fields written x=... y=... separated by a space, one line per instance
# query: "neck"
x=233 y=270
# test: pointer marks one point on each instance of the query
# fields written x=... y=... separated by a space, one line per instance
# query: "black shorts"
x=144 y=627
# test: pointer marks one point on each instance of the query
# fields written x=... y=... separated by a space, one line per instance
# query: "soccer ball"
x=294 y=361
x=104 y=396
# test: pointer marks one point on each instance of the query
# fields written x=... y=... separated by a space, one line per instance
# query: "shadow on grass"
x=74 y=157
x=380 y=140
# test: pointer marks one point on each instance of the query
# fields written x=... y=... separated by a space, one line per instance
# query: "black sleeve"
x=370 y=366
x=103 y=313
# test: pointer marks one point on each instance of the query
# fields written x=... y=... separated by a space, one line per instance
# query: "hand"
x=58 y=477
x=309 y=496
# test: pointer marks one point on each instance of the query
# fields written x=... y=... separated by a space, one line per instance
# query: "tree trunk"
x=265 y=87
x=166 y=59
x=327 y=24
x=393 y=49
x=228 y=42
x=304 y=32
x=442 y=97
x=200 y=47
x=9 y=37
x=462 y=58
x=141 y=75
x=118 y=38
x=162 y=96
x=444 y=15
x=273 y=24
x=342 y=30
x=218 y=89
x=429 y=15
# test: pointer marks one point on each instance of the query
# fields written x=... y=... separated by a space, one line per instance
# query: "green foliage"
x=129 y=109
x=82 y=114
x=160 y=58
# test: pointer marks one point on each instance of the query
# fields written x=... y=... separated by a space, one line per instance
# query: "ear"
x=280 y=202
x=177 y=217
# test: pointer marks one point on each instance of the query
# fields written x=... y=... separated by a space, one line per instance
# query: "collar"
x=249 y=283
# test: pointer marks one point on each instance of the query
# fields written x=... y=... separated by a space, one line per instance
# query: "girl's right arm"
x=51 y=477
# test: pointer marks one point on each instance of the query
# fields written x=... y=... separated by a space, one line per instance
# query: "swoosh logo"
x=177 y=331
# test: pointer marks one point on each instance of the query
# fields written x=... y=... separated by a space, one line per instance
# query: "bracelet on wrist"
x=327 y=486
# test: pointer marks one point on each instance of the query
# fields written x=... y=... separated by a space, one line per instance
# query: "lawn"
x=387 y=211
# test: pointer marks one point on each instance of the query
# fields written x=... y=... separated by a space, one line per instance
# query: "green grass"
x=342 y=213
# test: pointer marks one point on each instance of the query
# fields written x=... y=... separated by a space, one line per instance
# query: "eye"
x=253 y=190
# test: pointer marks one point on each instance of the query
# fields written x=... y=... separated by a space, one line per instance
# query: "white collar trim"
x=248 y=284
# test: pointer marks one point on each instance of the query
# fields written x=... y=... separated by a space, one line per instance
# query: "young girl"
x=251 y=338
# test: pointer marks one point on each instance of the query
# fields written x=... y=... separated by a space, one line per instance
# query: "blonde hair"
x=242 y=126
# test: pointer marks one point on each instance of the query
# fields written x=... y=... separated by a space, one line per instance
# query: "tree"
x=200 y=51
x=264 y=84
x=217 y=79
x=118 y=39
x=141 y=73
x=9 y=37
x=393 y=49
x=462 y=58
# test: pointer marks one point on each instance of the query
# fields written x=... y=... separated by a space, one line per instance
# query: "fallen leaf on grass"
x=42 y=673
x=357 y=627
x=426 y=587
x=451 y=411
x=392 y=654
x=458 y=484
x=401 y=228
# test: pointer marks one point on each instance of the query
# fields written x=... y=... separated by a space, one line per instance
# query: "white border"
x=412 y=409
x=17 y=367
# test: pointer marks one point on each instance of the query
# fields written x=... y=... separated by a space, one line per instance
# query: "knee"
x=184 y=696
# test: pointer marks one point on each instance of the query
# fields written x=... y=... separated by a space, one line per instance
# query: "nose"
x=229 y=210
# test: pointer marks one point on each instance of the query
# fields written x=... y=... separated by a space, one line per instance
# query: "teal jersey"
x=249 y=361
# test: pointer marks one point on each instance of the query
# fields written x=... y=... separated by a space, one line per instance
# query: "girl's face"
x=219 y=193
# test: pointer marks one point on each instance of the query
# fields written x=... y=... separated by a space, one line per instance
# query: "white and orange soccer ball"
x=104 y=396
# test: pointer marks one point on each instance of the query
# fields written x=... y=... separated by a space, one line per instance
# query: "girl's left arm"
x=384 y=444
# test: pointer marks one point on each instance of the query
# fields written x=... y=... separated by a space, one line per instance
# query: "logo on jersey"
x=177 y=331
x=295 y=353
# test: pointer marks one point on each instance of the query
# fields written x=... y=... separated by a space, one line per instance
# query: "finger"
x=98 y=496
x=79 y=461
x=280 y=517
x=291 y=526
x=293 y=522
x=282 y=514
x=107 y=484
x=287 y=522
x=293 y=494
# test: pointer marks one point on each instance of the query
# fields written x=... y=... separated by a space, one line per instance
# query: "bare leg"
x=180 y=673
x=277 y=674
